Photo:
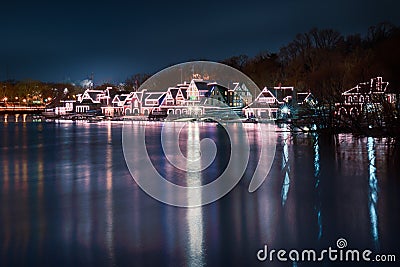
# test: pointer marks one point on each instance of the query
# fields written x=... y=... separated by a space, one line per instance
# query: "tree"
x=133 y=82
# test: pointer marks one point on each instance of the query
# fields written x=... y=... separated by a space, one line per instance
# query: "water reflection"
x=194 y=216
x=373 y=191
x=109 y=197
x=285 y=168
x=317 y=183
x=69 y=200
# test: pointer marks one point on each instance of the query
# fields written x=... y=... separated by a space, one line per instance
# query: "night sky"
x=68 y=40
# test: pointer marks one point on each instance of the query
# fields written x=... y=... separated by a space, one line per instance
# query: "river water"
x=68 y=199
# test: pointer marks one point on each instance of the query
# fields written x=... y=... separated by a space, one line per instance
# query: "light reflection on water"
x=68 y=199
x=285 y=168
x=194 y=215
x=317 y=181
x=373 y=191
x=109 y=198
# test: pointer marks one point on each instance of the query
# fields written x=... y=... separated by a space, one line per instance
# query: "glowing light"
x=373 y=190
x=285 y=110
x=194 y=216
x=286 y=168
x=5 y=99
x=24 y=100
x=317 y=206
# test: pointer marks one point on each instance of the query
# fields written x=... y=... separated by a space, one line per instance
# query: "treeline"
x=322 y=61
x=325 y=62
x=35 y=92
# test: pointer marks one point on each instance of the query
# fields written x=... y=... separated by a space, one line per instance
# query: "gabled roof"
x=91 y=95
x=281 y=92
x=184 y=92
x=236 y=86
x=266 y=93
x=139 y=96
x=86 y=101
x=154 y=95
x=241 y=88
x=376 y=85
x=301 y=97
x=116 y=99
x=201 y=85
x=112 y=92
x=359 y=89
x=213 y=86
x=123 y=97
x=131 y=96
x=258 y=105
x=174 y=91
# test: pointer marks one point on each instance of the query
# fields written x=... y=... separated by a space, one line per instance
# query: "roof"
x=201 y=85
x=184 y=92
x=302 y=96
x=93 y=95
x=174 y=91
x=139 y=95
x=213 y=86
x=265 y=93
x=373 y=86
x=281 y=93
x=86 y=101
x=123 y=97
x=359 y=89
x=154 y=95
x=260 y=105
x=116 y=99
